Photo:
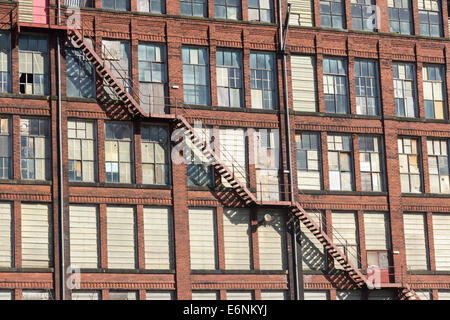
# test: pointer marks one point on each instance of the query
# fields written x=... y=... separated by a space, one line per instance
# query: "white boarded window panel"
x=424 y=294
x=239 y=295
x=303 y=83
x=158 y=238
x=381 y=294
x=6 y=295
x=159 y=295
x=233 y=153
x=85 y=295
x=376 y=227
x=236 y=229
x=36 y=241
x=316 y=295
x=443 y=294
x=212 y=295
x=5 y=235
x=415 y=241
x=122 y=295
x=202 y=236
x=313 y=255
x=83 y=236
x=301 y=13
x=273 y=295
x=345 y=234
x=35 y=295
x=120 y=224
x=271 y=241
x=348 y=295
x=441 y=232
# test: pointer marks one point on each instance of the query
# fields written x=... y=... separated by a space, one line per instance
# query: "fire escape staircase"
x=212 y=157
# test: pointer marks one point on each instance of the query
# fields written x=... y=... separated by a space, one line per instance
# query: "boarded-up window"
x=273 y=295
x=313 y=255
x=120 y=229
x=5 y=235
x=348 y=295
x=122 y=295
x=441 y=232
x=203 y=238
x=36 y=236
x=159 y=295
x=85 y=295
x=443 y=294
x=239 y=295
x=158 y=242
x=237 y=234
x=304 y=92
x=271 y=240
x=316 y=295
x=205 y=295
x=308 y=160
x=233 y=153
x=376 y=226
x=302 y=13
x=345 y=236
x=6 y=295
x=416 y=241
x=36 y=295
x=83 y=236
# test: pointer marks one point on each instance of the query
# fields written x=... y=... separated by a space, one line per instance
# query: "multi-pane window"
x=335 y=85
x=370 y=163
x=405 y=89
x=5 y=68
x=116 y=4
x=196 y=75
x=433 y=91
x=340 y=162
x=155 y=154
x=409 y=159
x=308 y=161
x=33 y=65
x=117 y=56
x=438 y=165
x=154 y=6
x=400 y=16
x=118 y=150
x=262 y=80
x=195 y=8
x=227 y=9
x=35 y=149
x=260 y=10
x=430 y=18
x=81 y=147
x=364 y=15
x=332 y=14
x=5 y=148
x=199 y=170
x=80 y=74
x=366 y=87
x=152 y=77
x=229 y=78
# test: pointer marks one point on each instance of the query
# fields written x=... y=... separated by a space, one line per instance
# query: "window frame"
x=376 y=88
x=380 y=172
x=197 y=69
x=5 y=76
x=94 y=153
x=167 y=163
x=238 y=76
x=395 y=11
x=350 y=154
x=409 y=173
x=45 y=67
x=8 y=134
x=115 y=5
x=268 y=74
x=191 y=3
x=428 y=12
x=227 y=5
x=331 y=16
x=362 y=7
x=404 y=112
x=343 y=83
x=81 y=67
x=305 y=150
x=432 y=154
x=425 y=74
x=259 y=9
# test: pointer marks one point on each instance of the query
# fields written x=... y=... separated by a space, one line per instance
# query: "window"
x=152 y=77
x=35 y=149
x=195 y=8
x=196 y=75
x=33 y=65
x=199 y=170
x=80 y=75
x=366 y=87
x=370 y=163
x=345 y=236
x=36 y=295
x=86 y=295
x=155 y=154
x=304 y=80
x=239 y=295
x=416 y=241
x=400 y=16
x=237 y=238
x=340 y=162
x=378 y=240
x=5 y=68
x=203 y=238
x=438 y=166
x=160 y=295
x=122 y=295
x=308 y=161
x=79 y=3
x=260 y=10
x=441 y=236
x=302 y=13
x=332 y=14
x=118 y=150
x=272 y=240
x=205 y=295
x=409 y=165
x=405 y=89
x=433 y=91
x=5 y=148
x=154 y=6
x=262 y=80
x=116 y=4
x=227 y=9
x=364 y=15
x=430 y=18
x=229 y=78
x=6 y=239
x=335 y=85
x=117 y=55
x=81 y=147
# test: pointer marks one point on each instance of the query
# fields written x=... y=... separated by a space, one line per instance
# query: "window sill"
x=231 y=109
x=342 y=193
x=27 y=270
x=126 y=271
x=119 y=185
x=334 y=115
x=240 y=272
x=426 y=195
x=27 y=182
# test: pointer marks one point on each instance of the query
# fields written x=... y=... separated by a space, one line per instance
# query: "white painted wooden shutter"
x=376 y=227
x=316 y=295
x=159 y=295
x=83 y=236
x=122 y=295
x=273 y=295
x=36 y=236
x=441 y=232
x=233 y=152
x=443 y=294
x=35 y=295
x=415 y=241
x=85 y=295
x=202 y=236
x=271 y=240
x=236 y=229
x=348 y=295
x=303 y=83
x=5 y=235
x=204 y=295
x=158 y=238
x=313 y=254
x=381 y=294
x=301 y=13
x=120 y=226
x=239 y=295
x=6 y=295
x=345 y=235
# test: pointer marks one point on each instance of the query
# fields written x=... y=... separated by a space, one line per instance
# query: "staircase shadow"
x=227 y=196
x=112 y=106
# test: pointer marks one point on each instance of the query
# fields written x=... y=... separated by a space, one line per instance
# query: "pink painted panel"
x=40 y=11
